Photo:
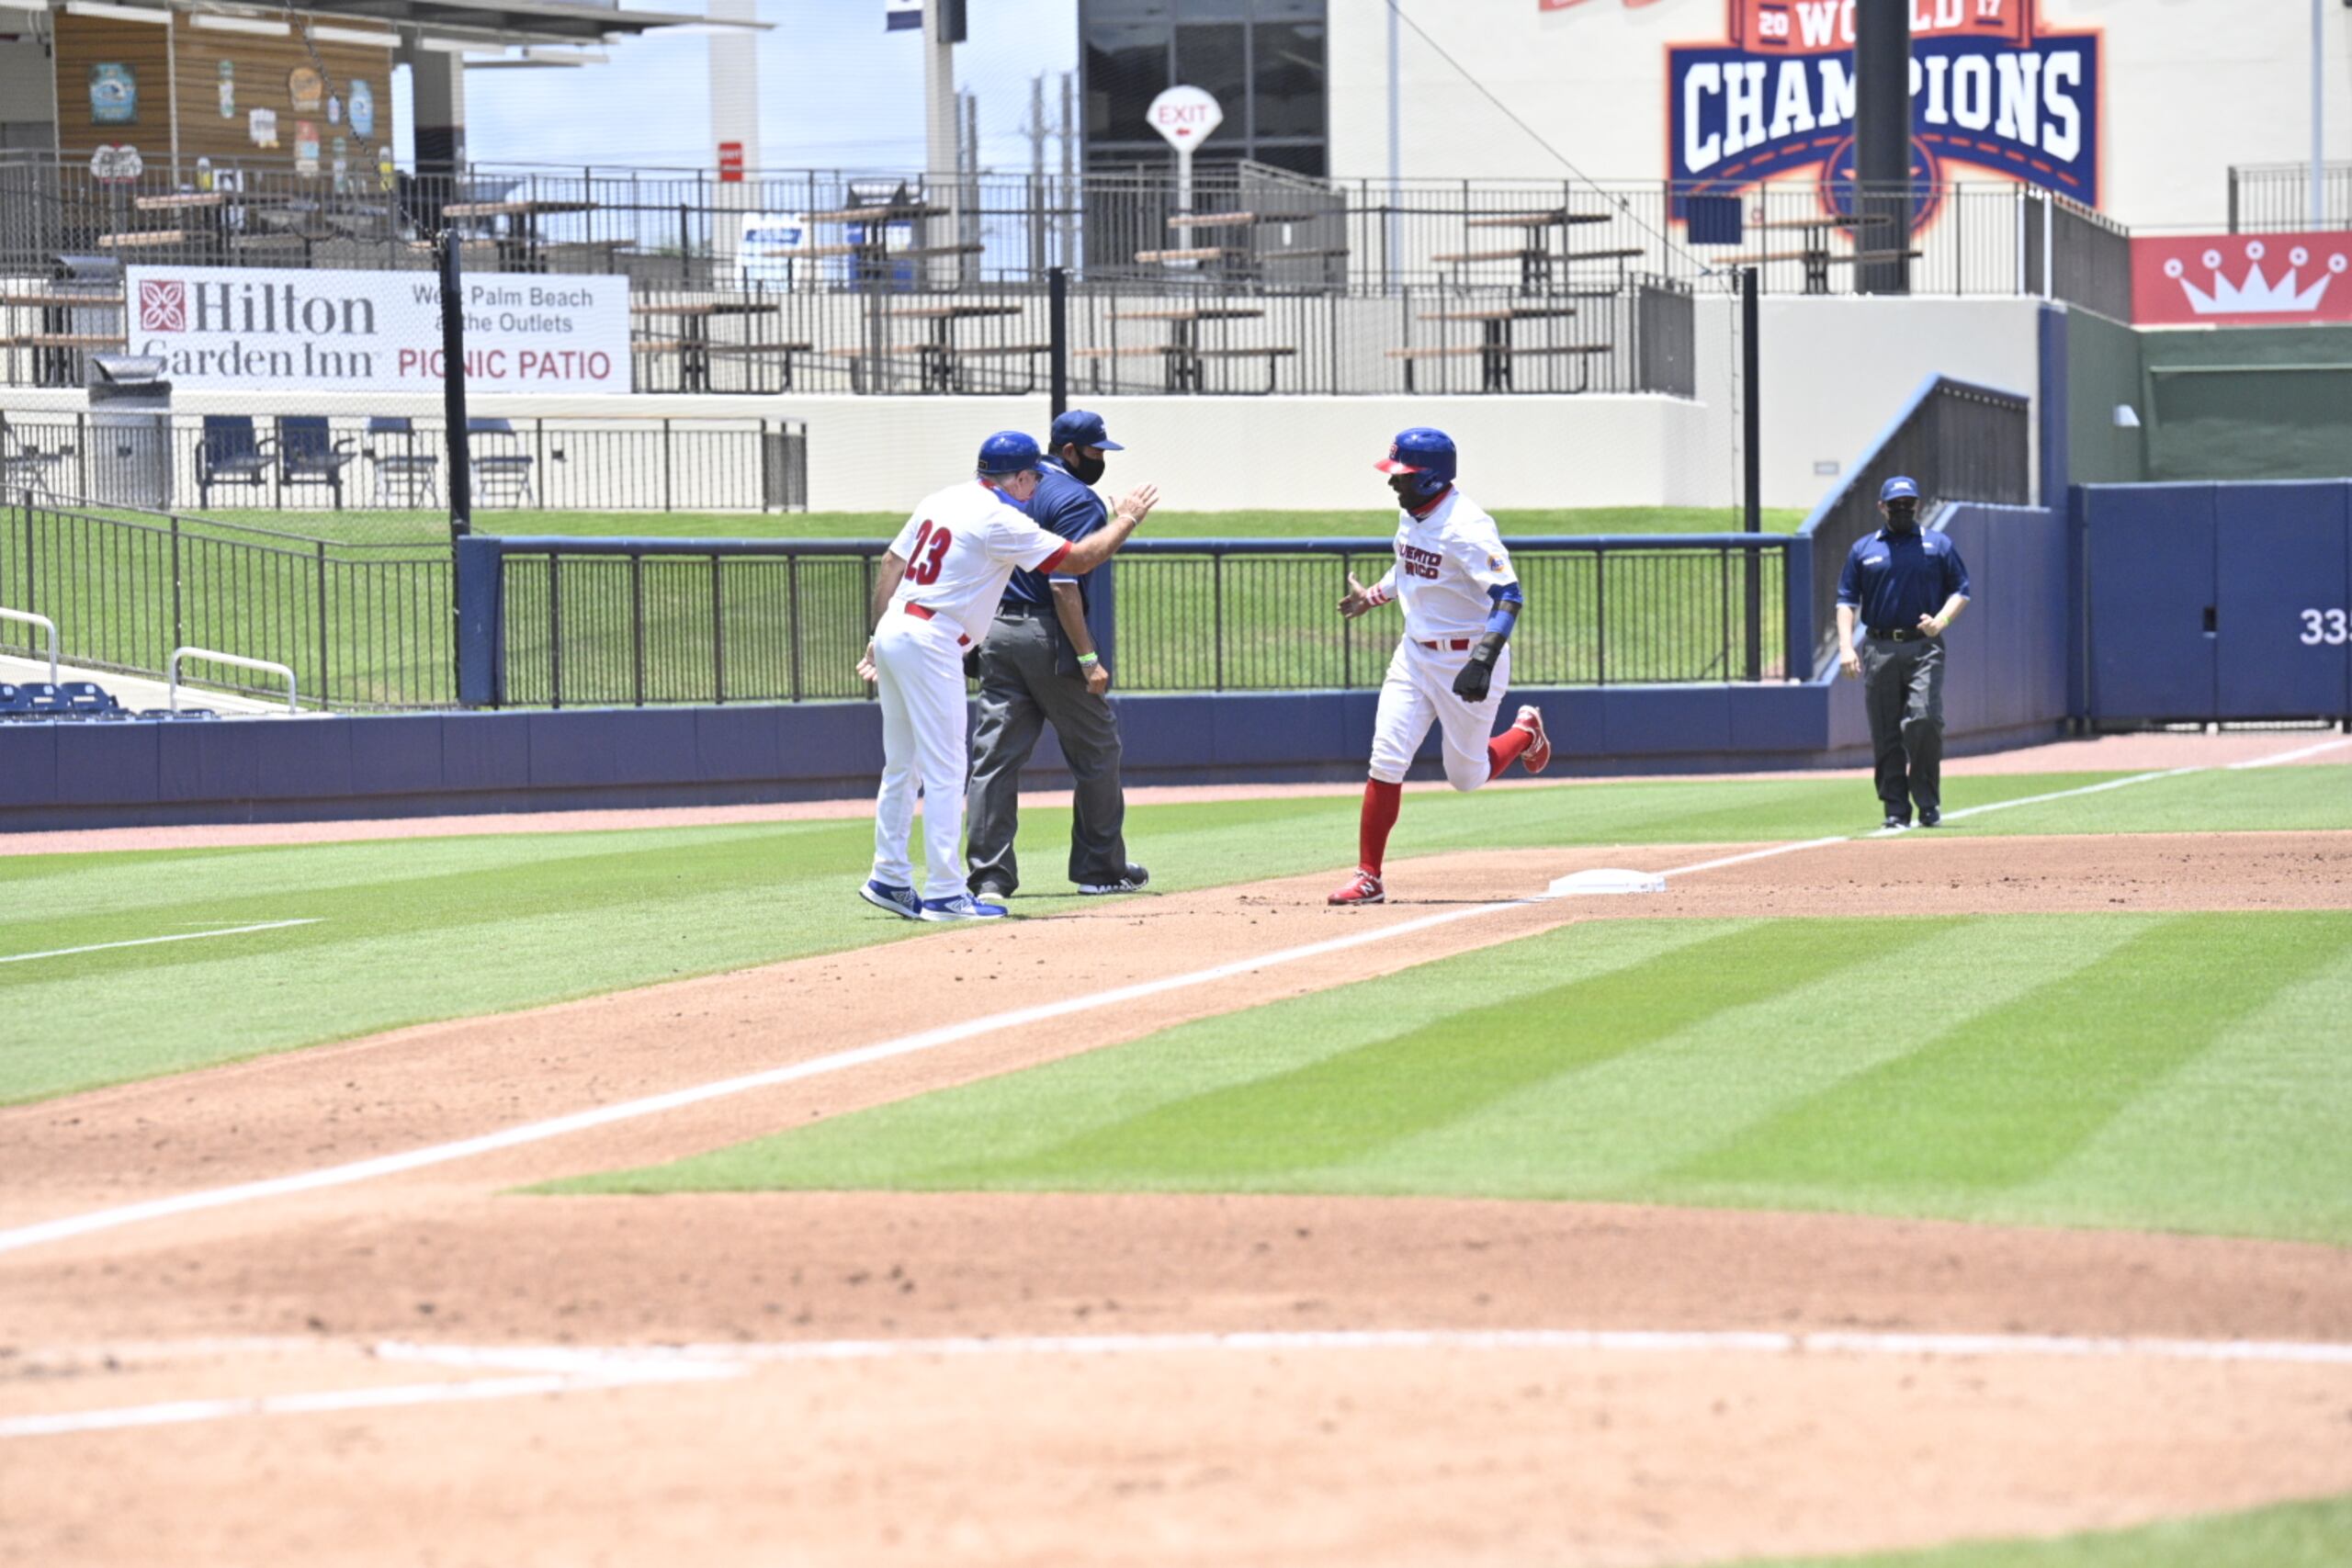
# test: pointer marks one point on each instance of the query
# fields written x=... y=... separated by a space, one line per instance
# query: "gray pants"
x=1902 y=687
x=1021 y=693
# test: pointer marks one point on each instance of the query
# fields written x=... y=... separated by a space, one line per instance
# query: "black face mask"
x=1085 y=470
x=1903 y=516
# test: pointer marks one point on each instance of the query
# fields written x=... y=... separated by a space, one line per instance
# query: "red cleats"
x=1364 y=887
x=1538 y=755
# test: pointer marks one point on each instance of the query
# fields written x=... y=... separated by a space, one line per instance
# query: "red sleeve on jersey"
x=1051 y=561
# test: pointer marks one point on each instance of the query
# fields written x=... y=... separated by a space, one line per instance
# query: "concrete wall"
x=2101 y=375
x=2192 y=86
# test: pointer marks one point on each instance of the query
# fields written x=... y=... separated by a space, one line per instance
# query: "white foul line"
x=151 y=941
x=75 y=1225
x=2290 y=756
x=550 y=1370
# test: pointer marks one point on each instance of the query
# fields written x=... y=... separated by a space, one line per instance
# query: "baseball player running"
x=938 y=587
x=1452 y=665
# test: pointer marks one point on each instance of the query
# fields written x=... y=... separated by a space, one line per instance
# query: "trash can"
x=784 y=469
x=130 y=431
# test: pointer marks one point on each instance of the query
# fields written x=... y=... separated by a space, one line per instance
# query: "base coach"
x=1038 y=666
x=1906 y=587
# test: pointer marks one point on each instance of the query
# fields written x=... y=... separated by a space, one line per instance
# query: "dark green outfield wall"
x=2221 y=404
x=2250 y=403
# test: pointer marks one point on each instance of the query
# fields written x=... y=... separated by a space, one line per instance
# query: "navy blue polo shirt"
x=1065 y=506
x=1896 y=578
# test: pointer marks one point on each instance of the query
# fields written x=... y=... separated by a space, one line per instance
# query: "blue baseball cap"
x=1897 y=489
x=1080 y=428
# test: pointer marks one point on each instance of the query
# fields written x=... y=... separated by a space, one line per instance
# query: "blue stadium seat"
x=88 y=697
x=42 y=699
x=12 y=701
x=167 y=715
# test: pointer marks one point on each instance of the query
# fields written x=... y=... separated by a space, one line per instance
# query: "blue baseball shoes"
x=900 y=901
x=963 y=907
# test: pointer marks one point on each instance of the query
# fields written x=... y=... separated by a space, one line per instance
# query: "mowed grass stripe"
x=2311 y=1534
x=2264 y=1108
x=492 y=924
x=1362 y=1102
x=1643 y=1113
x=1388 y=1086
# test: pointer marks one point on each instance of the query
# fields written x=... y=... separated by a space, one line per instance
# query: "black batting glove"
x=1470 y=683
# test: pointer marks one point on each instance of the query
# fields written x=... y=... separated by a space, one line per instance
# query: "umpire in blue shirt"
x=1038 y=666
x=1905 y=587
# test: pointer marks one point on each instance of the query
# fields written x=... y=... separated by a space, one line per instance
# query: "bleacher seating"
x=40 y=702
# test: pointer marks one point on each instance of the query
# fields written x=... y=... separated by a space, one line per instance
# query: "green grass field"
x=2316 y=1534
x=573 y=914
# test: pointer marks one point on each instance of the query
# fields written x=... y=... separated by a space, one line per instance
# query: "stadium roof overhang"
x=454 y=25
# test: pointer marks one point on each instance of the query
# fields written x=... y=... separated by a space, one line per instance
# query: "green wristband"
x=1089 y=659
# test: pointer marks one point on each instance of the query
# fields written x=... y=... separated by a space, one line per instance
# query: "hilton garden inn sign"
x=1990 y=90
x=279 y=329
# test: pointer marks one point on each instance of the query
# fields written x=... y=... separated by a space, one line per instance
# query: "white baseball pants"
x=919 y=670
x=1418 y=692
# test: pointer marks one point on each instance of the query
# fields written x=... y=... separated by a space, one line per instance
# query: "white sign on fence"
x=279 y=330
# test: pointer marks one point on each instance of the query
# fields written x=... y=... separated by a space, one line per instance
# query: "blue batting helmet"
x=1427 y=454
x=1008 y=452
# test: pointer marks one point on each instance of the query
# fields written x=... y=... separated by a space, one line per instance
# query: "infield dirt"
x=1366 y=1456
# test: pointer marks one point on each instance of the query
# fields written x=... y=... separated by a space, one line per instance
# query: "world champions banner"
x=1991 y=92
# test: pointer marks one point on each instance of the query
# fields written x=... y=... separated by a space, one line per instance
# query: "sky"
x=837 y=91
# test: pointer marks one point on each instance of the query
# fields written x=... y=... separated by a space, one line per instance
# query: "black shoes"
x=1893 y=823
x=1931 y=818
x=1134 y=881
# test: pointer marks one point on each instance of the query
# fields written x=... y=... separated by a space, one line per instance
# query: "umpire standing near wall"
x=1038 y=666
x=1905 y=587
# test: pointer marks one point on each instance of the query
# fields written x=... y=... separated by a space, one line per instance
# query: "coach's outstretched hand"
x=1137 y=504
x=1359 y=599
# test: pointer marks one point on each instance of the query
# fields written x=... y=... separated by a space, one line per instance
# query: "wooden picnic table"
x=1551 y=217
x=518 y=244
x=1495 y=349
x=1817 y=262
x=939 y=355
x=62 y=339
x=1183 y=356
x=144 y=238
x=48 y=300
x=1816 y=255
x=176 y=201
x=1237 y=220
x=878 y=214
x=1189 y=313
x=692 y=345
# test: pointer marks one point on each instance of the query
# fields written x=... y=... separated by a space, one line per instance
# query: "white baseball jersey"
x=961 y=546
x=1445 y=563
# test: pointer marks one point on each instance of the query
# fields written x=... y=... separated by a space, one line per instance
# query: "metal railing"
x=630 y=622
x=49 y=628
x=2271 y=198
x=2069 y=252
x=214 y=656
x=1253 y=226
x=1959 y=441
x=365 y=628
x=376 y=464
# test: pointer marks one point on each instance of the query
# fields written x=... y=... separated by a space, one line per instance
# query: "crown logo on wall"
x=2256 y=295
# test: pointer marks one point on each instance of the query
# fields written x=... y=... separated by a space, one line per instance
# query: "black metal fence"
x=2069 y=252
x=1961 y=442
x=2270 y=199
x=630 y=622
x=1246 y=224
x=317 y=464
x=361 y=627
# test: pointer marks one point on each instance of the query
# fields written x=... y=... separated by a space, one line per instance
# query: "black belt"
x=1021 y=607
x=1896 y=634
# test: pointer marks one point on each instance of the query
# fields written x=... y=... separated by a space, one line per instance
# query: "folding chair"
x=24 y=467
x=309 y=453
x=503 y=475
x=405 y=478
x=230 y=453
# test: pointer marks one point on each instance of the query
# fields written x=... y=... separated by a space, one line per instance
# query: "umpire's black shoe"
x=1894 y=822
x=1132 y=880
x=1931 y=818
